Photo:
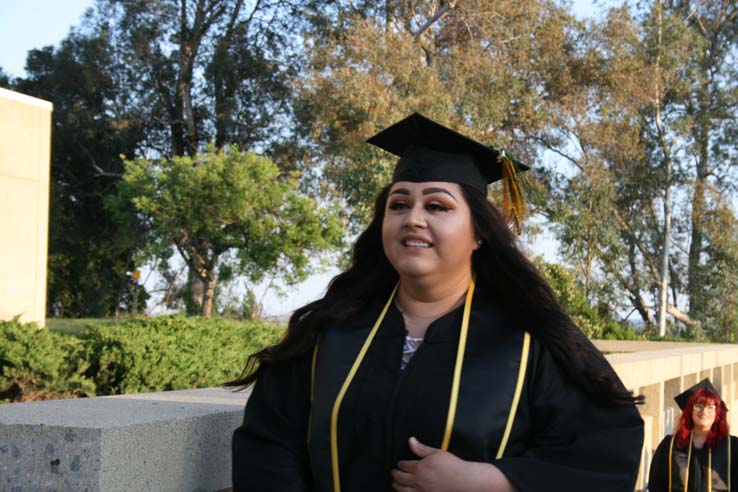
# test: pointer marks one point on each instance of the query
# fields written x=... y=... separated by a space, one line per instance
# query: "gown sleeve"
x=658 y=476
x=574 y=444
x=270 y=448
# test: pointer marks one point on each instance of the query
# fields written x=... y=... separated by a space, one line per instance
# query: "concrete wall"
x=177 y=441
x=25 y=146
x=180 y=440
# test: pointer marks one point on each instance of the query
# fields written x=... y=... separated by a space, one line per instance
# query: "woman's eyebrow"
x=429 y=191
x=400 y=191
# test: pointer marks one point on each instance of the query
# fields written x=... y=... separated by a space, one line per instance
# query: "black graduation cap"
x=429 y=151
x=681 y=399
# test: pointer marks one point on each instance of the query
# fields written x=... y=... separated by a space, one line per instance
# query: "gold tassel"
x=513 y=205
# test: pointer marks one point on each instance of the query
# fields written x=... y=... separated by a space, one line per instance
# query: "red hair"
x=719 y=430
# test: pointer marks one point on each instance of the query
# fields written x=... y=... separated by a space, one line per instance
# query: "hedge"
x=137 y=355
x=36 y=364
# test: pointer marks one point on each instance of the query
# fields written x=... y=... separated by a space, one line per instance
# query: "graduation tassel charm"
x=513 y=205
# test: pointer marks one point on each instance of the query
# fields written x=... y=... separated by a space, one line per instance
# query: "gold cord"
x=689 y=460
x=451 y=415
x=671 y=451
x=344 y=388
x=516 y=398
x=454 y=387
x=709 y=470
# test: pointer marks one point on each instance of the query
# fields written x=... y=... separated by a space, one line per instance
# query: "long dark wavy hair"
x=503 y=274
x=719 y=429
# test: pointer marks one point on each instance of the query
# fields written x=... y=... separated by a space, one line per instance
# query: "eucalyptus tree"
x=628 y=124
x=481 y=67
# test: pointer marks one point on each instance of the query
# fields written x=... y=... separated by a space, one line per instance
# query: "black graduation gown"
x=560 y=440
x=658 y=479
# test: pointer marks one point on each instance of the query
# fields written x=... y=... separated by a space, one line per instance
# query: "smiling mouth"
x=414 y=243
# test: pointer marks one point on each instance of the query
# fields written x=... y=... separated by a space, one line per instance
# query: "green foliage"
x=92 y=127
x=5 y=79
x=36 y=364
x=469 y=68
x=75 y=326
x=172 y=352
x=136 y=355
x=226 y=210
x=572 y=298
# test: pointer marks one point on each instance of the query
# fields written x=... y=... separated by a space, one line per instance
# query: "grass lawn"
x=75 y=326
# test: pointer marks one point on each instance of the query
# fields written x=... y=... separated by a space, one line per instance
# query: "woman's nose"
x=414 y=217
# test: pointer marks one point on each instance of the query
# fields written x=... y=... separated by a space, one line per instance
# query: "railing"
x=180 y=440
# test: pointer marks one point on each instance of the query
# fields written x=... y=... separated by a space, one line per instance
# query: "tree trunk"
x=223 y=83
x=640 y=305
x=694 y=278
x=666 y=232
x=209 y=282
x=187 y=53
x=197 y=290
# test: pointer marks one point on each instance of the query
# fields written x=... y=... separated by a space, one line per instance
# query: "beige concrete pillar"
x=672 y=387
x=25 y=154
x=654 y=409
x=689 y=380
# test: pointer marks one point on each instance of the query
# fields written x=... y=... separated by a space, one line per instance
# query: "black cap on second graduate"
x=681 y=398
x=429 y=151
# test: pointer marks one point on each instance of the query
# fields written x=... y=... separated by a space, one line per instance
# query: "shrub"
x=36 y=364
x=140 y=354
x=575 y=303
x=172 y=352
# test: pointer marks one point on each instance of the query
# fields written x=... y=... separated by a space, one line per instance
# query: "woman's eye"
x=397 y=206
x=437 y=207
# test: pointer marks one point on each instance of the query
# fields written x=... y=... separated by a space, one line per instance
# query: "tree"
x=155 y=78
x=6 y=80
x=93 y=125
x=207 y=70
x=627 y=123
x=721 y=232
x=711 y=106
x=226 y=209
x=466 y=64
x=202 y=71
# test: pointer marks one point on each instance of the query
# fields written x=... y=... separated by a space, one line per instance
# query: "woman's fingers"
x=402 y=488
x=402 y=478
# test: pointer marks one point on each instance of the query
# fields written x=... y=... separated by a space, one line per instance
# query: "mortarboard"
x=681 y=399
x=429 y=151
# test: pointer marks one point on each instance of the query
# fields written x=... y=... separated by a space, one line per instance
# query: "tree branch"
x=446 y=8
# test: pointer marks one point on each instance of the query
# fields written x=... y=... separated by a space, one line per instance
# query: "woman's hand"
x=441 y=471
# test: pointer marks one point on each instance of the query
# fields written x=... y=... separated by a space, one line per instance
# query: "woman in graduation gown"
x=699 y=456
x=440 y=360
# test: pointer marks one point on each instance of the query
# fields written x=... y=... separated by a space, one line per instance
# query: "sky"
x=29 y=24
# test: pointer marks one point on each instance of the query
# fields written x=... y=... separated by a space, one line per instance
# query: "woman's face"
x=427 y=230
x=703 y=414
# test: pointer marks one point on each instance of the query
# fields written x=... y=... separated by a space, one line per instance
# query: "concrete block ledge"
x=160 y=442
